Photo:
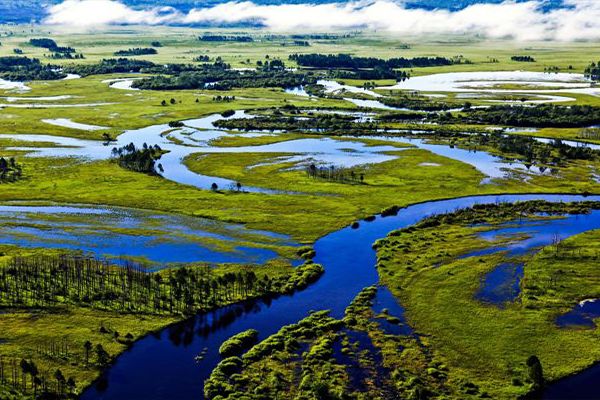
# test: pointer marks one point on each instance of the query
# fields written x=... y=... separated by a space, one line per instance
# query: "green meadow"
x=464 y=344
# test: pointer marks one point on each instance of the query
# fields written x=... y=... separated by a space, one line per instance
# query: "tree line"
x=225 y=79
x=26 y=377
x=225 y=38
x=334 y=174
x=328 y=61
x=137 y=51
x=523 y=58
x=16 y=68
x=111 y=66
x=48 y=281
x=542 y=115
x=51 y=45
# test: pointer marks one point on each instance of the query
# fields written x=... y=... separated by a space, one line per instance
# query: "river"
x=162 y=366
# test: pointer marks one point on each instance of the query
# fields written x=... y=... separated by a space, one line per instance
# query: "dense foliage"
x=139 y=160
x=523 y=58
x=217 y=77
x=51 y=45
x=348 y=61
x=315 y=123
x=534 y=151
x=225 y=38
x=235 y=345
x=321 y=357
x=10 y=171
x=111 y=66
x=15 y=68
x=138 y=51
x=379 y=72
x=542 y=115
x=47 y=281
x=593 y=71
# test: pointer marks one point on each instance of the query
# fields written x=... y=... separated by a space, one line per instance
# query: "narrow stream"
x=162 y=366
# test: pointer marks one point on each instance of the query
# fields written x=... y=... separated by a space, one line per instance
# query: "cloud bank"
x=577 y=20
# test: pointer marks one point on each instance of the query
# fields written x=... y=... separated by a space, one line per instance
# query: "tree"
x=536 y=373
x=60 y=381
x=101 y=355
x=163 y=103
x=24 y=371
x=71 y=384
x=35 y=379
x=87 y=347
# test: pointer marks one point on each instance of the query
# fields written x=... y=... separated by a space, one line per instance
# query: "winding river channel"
x=197 y=135
x=162 y=366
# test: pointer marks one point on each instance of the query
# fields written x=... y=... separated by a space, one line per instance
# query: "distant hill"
x=23 y=11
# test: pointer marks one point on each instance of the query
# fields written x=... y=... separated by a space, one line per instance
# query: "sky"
x=519 y=20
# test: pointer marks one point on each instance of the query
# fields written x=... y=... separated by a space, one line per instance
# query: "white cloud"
x=85 y=13
x=521 y=21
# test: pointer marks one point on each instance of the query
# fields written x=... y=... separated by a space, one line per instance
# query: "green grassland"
x=483 y=343
x=316 y=207
x=126 y=109
x=53 y=336
x=181 y=45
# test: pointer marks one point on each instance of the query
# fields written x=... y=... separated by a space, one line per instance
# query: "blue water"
x=583 y=314
x=384 y=299
x=349 y=260
x=502 y=284
x=582 y=386
x=159 y=239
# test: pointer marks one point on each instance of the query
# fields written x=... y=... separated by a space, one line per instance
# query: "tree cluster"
x=225 y=38
x=51 y=45
x=224 y=79
x=328 y=61
x=10 y=171
x=25 y=377
x=139 y=160
x=138 y=51
x=593 y=71
x=111 y=66
x=15 y=68
x=48 y=281
x=335 y=174
x=523 y=58
x=543 y=115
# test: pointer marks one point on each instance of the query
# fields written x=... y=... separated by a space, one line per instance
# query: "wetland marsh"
x=231 y=212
